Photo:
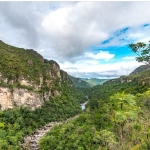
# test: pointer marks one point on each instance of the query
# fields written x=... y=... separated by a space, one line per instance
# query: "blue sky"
x=87 y=39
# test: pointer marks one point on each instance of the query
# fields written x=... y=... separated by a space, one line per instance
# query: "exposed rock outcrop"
x=19 y=97
x=31 y=142
x=27 y=79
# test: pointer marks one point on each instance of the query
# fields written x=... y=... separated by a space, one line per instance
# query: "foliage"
x=16 y=123
x=112 y=120
x=117 y=123
x=79 y=83
x=142 y=50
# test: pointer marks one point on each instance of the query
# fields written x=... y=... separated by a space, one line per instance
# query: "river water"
x=83 y=105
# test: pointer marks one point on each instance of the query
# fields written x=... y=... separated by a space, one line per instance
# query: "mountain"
x=79 y=82
x=140 y=69
x=117 y=117
x=94 y=81
x=27 y=79
x=33 y=92
x=133 y=83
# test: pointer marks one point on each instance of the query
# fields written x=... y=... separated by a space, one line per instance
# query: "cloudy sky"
x=87 y=39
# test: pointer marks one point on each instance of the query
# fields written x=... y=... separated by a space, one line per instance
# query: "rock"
x=19 y=97
x=33 y=140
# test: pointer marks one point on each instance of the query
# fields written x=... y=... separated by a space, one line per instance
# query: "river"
x=83 y=105
x=31 y=142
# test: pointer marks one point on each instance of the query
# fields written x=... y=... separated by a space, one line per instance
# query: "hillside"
x=140 y=69
x=87 y=83
x=33 y=92
x=117 y=117
x=25 y=74
x=79 y=82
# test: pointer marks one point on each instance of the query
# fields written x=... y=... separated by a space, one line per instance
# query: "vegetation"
x=79 y=83
x=142 y=50
x=16 y=123
x=116 y=117
x=87 y=83
x=121 y=122
x=17 y=64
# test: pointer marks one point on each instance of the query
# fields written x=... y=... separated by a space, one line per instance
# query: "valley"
x=37 y=99
x=31 y=142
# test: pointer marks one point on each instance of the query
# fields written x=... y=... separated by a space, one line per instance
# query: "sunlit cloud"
x=67 y=32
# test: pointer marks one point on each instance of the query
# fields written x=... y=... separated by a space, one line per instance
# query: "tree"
x=142 y=50
x=123 y=109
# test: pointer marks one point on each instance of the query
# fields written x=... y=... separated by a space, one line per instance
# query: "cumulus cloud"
x=86 y=68
x=100 y=55
x=129 y=58
x=64 y=31
x=71 y=27
x=19 y=16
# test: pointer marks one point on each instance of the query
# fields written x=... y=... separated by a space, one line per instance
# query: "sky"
x=87 y=39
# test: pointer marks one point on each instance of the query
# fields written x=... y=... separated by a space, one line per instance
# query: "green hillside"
x=44 y=77
x=79 y=82
x=117 y=117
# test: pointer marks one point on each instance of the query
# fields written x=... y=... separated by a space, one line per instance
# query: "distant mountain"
x=140 y=69
x=79 y=82
x=94 y=81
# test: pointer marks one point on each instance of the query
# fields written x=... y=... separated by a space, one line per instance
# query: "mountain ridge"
x=26 y=78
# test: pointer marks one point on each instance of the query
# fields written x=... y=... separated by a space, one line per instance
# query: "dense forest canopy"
x=117 y=116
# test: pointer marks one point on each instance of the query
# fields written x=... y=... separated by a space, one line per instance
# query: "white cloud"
x=129 y=58
x=74 y=28
x=69 y=28
x=85 y=68
x=100 y=55
x=63 y=31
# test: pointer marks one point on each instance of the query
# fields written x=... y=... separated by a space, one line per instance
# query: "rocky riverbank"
x=31 y=142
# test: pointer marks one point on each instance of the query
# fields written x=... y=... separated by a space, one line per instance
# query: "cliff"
x=27 y=79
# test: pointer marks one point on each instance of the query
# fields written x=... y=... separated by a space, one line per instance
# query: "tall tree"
x=142 y=50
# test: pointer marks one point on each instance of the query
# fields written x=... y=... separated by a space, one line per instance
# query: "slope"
x=79 y=82
x=117 y=117
x=33 y=92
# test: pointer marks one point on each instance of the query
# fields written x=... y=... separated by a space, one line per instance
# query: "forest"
x=116 y=117
x=112 y=120
x=16 y=123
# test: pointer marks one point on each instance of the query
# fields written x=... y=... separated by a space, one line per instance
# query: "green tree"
x=142 y=50
x=123 y=110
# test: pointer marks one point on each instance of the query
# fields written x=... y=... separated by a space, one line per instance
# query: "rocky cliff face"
x=16 y=97
x=19 y=97
x=27 y=79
